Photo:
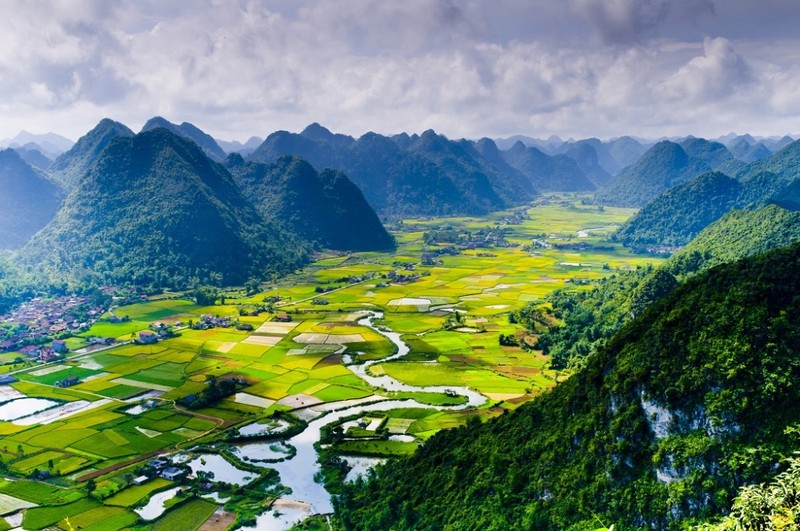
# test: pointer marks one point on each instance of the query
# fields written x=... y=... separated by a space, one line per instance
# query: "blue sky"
x=470 y=68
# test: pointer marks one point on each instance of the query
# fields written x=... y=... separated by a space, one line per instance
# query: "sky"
x=469 y=68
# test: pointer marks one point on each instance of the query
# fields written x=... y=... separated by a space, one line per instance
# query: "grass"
x=103 y=519
x=38 y=493
x=187 y=516
x=39 y=517
x=377 y=448
x=131 y=496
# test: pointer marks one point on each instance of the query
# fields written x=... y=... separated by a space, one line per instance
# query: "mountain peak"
x=190 y=131
x=154 y=210
x=315 y=131
x=70 y=166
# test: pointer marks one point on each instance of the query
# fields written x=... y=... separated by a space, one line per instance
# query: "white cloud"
x=467 y=68
x=716 y=74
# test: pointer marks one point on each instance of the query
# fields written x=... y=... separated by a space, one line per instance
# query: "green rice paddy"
x=300 y=363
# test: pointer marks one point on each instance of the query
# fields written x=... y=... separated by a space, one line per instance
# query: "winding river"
x=309 y=497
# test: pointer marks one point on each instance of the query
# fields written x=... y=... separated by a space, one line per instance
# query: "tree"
x=205 y=295
x=252 y=286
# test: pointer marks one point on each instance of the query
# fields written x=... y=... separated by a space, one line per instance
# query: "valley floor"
x=109 y=439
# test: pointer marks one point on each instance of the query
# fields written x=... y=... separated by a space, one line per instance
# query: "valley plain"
x=125 y=423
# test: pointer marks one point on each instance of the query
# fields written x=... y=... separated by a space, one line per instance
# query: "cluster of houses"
x=56 y=351
x=165 y=468
x=45 y=318
x=210 y=321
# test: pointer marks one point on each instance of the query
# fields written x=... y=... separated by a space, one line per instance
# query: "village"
x=43 y=319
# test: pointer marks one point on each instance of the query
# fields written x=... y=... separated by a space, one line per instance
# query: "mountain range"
x=407 y=175
x=676 y=216
x=346 y=179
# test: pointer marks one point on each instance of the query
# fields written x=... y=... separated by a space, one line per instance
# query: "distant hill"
x=684 y=405
x=716 y=155
x=548 y=173
x=324 y=207
x=679 y=214
x=237 y=147
x=424 y=174
x=746 y=152
x=664 y=166
x=153 y=210
x=784 y=165
x=625 y=151
x=776 y=144
x=491 y=154
x=550 y=146
x=737 y=234
x=587 y=154
x=478 y=180
x=71 y=165
x=190 y=131
x=31 y=154
x=28 y=201
x=50 y=144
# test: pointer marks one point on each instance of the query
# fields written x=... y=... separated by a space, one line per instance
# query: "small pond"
x=270 y=427
x=262 y=451
x=22 y=407
x=155 y=507
x=360 y=466
x=223 y=470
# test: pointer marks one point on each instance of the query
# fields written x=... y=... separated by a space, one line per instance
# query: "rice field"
x=286 y=365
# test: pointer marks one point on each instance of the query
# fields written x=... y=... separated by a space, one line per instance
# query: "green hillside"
x=28 y=201
x=154 y=210
x=683 y=405
x=737 y=234
x=324 y=207
x=70 y=166
x=662 y=167
x=571 y=325
x=679 y=214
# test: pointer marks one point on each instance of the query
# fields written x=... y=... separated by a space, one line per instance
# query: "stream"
x=309 y=497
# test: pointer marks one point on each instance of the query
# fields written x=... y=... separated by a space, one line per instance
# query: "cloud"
x=716 y=74
x=466 y=68
x=629 y=21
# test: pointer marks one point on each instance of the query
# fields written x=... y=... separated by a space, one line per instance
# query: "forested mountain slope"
x=154 y=210
x=681 y=407
x=72 y=164
x=28 y=200
x=424 y=174
x=662 y=167
x=574 y=324
x=675 y=217
x=324 y=207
